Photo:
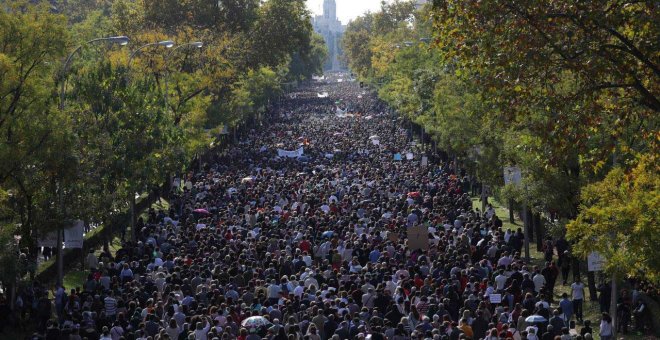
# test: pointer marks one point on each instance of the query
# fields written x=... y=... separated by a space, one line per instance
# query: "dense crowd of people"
x=316 y=246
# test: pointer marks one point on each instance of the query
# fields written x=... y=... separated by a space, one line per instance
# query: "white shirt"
x=308 y=260
x=200 y=334
x=298 y=291
x=500 y=280
x=274 y=291
x=605 y=328
x=539 y=281
x=578 y=291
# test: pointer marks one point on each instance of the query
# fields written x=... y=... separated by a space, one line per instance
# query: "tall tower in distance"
x=332 y=30
x=329 y=9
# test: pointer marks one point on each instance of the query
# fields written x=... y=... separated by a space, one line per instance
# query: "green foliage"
x=305 y=66
x=619 y=218
x=33 y=41
x=8 y=256
x=559 y=89
x=282 y=27
x=252 y=92
x=127 y=130
x=587 y=74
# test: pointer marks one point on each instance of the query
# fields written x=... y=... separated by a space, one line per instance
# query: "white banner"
x=290 y=154
x=512 y=175
x=595 y=262
x=409 y=156
x=73 y=237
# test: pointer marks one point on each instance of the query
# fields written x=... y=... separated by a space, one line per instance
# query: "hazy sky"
x=346 y=9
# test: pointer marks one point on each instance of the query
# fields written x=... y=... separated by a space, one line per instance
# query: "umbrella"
x=328 y=233
x=535 y=319
x=247 y=180
x=374 y=137
x=201 y=211
x=255 y=322
x=414 y=194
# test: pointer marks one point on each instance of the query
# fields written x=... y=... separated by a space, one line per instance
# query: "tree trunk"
x=60 y=259
x=526 y=230
x=540 y=233
x=132 y=222
x=529 y=223
x=576 y=268
x=613 y=305
x=591 y=283
x=511 y=217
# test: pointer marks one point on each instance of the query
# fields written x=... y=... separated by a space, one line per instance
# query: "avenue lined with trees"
x=139 y=109
x=336 y=207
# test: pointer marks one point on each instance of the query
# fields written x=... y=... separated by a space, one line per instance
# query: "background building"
x=420 y=3
x=332 y=30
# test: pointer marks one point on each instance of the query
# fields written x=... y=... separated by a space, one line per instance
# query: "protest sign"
x=73 y=236
x=512 y=175
x=418 y=238
x=595 y=262
x=290 y=153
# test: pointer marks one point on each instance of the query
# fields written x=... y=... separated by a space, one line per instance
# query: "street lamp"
x=164 y=43
x=121 y=40
x=196 y=44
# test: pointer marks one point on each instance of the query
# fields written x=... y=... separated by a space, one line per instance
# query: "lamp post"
x=121 y=40
x=164 y=43
x=196 y=44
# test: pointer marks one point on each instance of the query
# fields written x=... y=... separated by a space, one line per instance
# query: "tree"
x=282 y=28
x=311 y=63
x=355 y=43
x=588 y=69
x=620 y=220
x=32 y=41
